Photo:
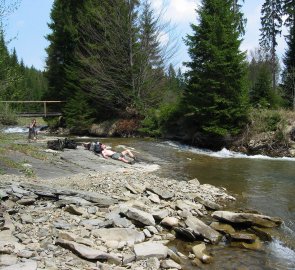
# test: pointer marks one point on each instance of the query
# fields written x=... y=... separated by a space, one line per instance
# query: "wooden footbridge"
x=44 y=110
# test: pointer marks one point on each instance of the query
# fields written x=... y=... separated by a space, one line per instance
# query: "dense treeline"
x=18 y=82
x=107 y=60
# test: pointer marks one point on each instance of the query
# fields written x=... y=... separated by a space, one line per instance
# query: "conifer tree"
x=216 y=96
x=271 y=22
x=288 y=76
x=63 y=41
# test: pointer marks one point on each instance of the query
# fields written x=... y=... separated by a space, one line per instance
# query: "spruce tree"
x=271 y=22
x=216 y=97
x=61 y=50
x=288 y=76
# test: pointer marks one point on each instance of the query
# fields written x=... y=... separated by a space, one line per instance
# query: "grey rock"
x=168 y=264
x=201 y=229
x=27 y=201
x=25 y=254
x=74 y=210
x=186 y=233
x=153 y=263
x=139 y=215
x=247 y=219
x=129 y=236
x=160 y=214
x=162 y=193
x=26 y=218
x=146 y=250
x=86 y=252
x=170 y=222
x=208 y=204
x=65 y=200
x=61 y=224
x=28 y=265
x=92 y=222
x=128 y=258
x=7 y=260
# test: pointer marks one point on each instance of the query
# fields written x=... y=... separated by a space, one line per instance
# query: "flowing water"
x=258 y=182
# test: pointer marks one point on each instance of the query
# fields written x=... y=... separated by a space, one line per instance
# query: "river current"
x=259 y=183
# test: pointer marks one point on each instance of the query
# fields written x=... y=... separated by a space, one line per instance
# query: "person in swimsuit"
x=106 y=153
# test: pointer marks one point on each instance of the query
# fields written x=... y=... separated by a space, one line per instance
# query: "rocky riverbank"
x=118 y=220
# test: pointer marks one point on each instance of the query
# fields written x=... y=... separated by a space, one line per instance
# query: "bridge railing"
x=30 y=111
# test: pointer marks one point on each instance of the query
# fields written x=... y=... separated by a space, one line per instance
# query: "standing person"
x=106 y=153
x=32 y=130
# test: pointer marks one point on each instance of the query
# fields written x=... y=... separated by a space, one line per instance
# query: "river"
x=258 y=182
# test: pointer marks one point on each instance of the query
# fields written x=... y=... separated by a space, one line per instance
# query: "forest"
x=107 y=61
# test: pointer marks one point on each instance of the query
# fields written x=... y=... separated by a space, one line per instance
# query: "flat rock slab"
x=201 y=229
x=30 y=265
x=247 y=219
x=84 y=251
x=129 y=236
x=163 y=194
x=138 y=215
x=150 y=249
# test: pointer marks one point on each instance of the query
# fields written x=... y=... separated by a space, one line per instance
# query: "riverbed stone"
x=170 y=264
x=162 y=193
x=86 y=252
x=138 y=215
x=199 y=251
x=170 y=222
x=223 y=228
x=28 y=265
x=146 y=250
x=243 y=237
x=130 y=236
x=201 y=229
x=247 y=219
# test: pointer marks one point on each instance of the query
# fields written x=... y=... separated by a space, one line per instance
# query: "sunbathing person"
x=106 y=153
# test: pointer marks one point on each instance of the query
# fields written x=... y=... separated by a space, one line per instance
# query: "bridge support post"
x=45 y=109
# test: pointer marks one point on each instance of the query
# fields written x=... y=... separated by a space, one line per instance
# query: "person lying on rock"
x=106 y=153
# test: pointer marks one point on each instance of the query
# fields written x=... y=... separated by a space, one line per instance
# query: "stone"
x=243 y=237
x=25 y=254
x=152 y=229
x=186 y=233
x=154 y=198
x=153 y=263
x=247 y=219
x=201 y=229
x=128 y=258
x=168 y=264
x=139 y=215
x=262 y=233
x=74 y=210
x=86 y=252
x=26 y=201
x=208 y=204
x=257 y=245
x=162 y=193
x=147 y=250
x=160 y=214
x=223 y=228
x=7 y=260
x=170 y=222
x=28 y=265
x=26 y=218
x=199 y=250
x=129 y=236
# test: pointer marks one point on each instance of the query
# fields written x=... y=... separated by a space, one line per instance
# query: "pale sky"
x=27 y=27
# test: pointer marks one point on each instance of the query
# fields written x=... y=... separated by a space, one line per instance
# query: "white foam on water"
x=283 y=253
x=224 y=153
x=16 y=130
